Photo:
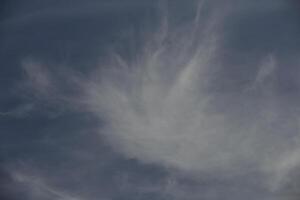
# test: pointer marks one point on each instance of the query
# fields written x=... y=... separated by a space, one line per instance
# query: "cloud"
x=169 y=105
x=162 y=108
x=19 y=111
x=37 y=188
x=38 y=78
x=265 y=72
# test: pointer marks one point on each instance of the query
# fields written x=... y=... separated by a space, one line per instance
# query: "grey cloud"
x=19 y=111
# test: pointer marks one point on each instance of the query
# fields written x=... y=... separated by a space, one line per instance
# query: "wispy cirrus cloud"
x=169 y=105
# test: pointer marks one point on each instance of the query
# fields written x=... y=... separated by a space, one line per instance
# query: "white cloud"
x=162 y=109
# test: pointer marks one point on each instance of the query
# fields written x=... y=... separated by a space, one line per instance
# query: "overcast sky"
x=146 y=100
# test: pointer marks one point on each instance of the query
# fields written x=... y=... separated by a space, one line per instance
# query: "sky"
x=149 y=100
